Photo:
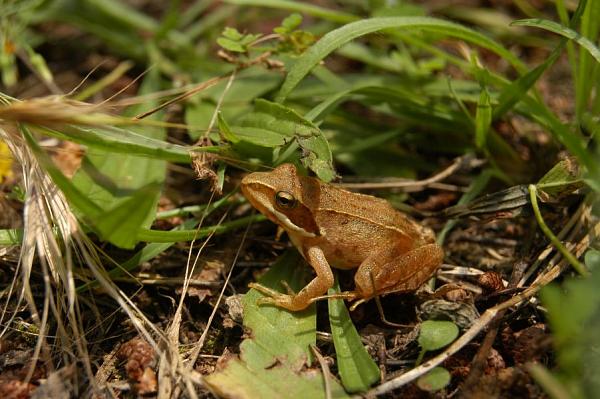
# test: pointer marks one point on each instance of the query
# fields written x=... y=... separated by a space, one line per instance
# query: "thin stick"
x=324 y=368
x=218 y=107
x=202 y=86
x=458 y=162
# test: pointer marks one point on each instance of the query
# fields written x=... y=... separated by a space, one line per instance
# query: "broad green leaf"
x=120 y=224
x=225 y=130
x=573 y=312
x=274 y=125
x=357 y=370
x=435 y=380
x=258 y=136
x=483 y=118
x=436 y=334
x=289 y=24
x=231 y=45
x=273 y=362
x=563 y=178
x=337 y=38
x=232 y=34
x=107 y=178
x=564 y=31
x=197 y=116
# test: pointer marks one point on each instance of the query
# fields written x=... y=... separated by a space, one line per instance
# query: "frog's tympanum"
x=334 y=227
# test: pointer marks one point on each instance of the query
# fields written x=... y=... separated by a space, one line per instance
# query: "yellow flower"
x=5 y=162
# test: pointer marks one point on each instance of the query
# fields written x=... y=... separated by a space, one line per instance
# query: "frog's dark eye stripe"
x=285 y=200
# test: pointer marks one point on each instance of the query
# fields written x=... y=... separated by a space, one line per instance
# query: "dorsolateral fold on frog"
x=333 y=227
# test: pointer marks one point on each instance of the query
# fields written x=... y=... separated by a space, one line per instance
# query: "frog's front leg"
x=316 y=288
x=384 y=273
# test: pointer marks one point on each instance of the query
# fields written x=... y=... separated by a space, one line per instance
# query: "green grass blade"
x=14 y=236
x=9 y=237
x=120 y=224
x=337 y=38
x=514 y=92
x=590 y=27
x=357 y=370
x=123 y=141
x=568 y=33
x=563 y=14
x=483 y=118
x=301 y=7
x=274 y=125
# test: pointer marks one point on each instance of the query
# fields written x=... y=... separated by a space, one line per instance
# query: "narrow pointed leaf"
x=120 y=224
x=569 y=33
x=337 y=38
x=357 y=370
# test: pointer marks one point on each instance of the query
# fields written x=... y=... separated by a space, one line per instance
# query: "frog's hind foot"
x=275 y=298
x=264 y=290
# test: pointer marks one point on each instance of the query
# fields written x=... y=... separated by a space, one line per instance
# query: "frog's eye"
x=285 y=200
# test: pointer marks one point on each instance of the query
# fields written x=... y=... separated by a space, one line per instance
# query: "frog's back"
x=365 y=211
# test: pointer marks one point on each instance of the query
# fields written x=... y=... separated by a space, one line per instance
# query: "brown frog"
x=334 y=227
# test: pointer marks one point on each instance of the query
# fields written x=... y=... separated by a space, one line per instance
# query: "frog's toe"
x=266 y=301
x=281 y=301
x=287 y=287
x=265 y=290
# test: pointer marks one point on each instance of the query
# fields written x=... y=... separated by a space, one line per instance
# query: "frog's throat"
x=287 y=223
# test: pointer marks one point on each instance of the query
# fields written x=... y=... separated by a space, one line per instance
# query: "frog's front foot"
x=276 y=298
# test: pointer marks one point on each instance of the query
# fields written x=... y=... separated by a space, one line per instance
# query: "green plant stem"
x=580 y=267
x=186 y=210
x=547 y=381
x=188 y=235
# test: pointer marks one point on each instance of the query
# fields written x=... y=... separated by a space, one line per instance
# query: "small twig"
x=159 y=280
x=200 y=87
x=458 y=162
x=325 y=369
x=218 y=107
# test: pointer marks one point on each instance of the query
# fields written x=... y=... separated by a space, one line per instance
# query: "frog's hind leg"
x=307 y=295
x=399 y=273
